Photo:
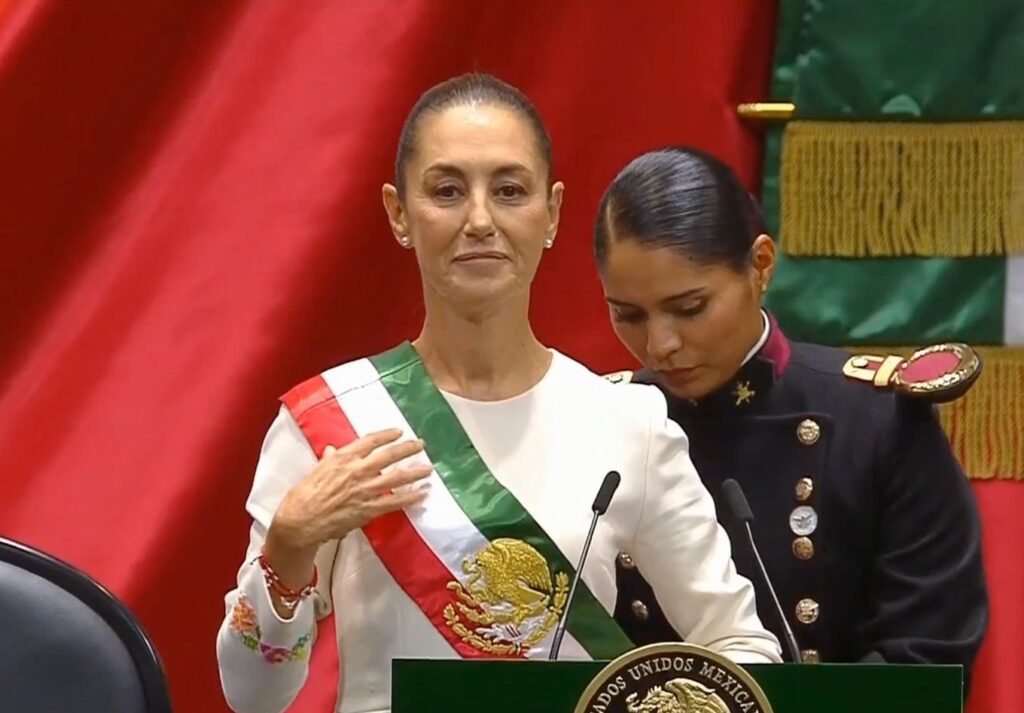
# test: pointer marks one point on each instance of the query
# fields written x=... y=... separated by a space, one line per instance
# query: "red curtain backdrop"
x=191 y=223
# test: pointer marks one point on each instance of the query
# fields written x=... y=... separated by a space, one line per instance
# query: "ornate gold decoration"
x=767 y=111
x=673 y=678
x=509 y=601
x=804 y=489
x=858 y=367
x=992 y=411
x=803 y=548
x=808 y=432
x=889 y=370
x=677 y=696
x=969 y=363
x=743 y=392
x=810 y=656
x=807 y=611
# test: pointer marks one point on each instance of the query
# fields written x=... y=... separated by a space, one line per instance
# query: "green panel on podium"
x=425 y=686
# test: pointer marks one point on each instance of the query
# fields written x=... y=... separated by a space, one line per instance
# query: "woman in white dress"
x=435 y=497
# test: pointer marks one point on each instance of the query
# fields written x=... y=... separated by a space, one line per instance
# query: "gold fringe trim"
x=985 y=427
x=863 y=189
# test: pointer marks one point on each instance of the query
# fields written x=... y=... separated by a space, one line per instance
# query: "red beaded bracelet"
x=289 y=597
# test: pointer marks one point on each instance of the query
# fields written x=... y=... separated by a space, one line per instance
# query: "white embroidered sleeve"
x=264 y=659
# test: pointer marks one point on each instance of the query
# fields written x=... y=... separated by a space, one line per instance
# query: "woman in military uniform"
x=865 y=520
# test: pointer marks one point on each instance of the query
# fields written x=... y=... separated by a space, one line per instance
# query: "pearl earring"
x=404 y=240
x=548 y=242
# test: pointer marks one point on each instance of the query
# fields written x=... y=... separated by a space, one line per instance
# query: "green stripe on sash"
x=487 y=503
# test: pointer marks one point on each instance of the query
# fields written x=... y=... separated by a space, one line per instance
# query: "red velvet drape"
x=191 y=223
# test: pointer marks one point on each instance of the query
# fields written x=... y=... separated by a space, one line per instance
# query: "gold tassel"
x=986 y=426
x=866 y=189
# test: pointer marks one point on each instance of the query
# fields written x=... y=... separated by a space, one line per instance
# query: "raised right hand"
x=342 y=493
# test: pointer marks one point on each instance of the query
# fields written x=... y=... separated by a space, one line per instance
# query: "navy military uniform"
x=865 y=520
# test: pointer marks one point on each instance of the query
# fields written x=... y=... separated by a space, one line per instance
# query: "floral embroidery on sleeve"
x=243 y=622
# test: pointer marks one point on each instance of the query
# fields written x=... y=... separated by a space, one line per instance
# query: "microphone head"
x=604 y=495
x=737 y=501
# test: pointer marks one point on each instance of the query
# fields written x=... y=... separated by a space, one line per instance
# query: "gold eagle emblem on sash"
x=509 y=601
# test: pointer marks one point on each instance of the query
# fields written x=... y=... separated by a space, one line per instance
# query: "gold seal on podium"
x=673 y=678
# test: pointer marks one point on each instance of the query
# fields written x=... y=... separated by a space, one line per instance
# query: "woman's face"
x=476 y=209
x=693 y=324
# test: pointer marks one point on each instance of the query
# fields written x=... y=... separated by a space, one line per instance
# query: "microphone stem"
x=794 y=650
x=556 y=642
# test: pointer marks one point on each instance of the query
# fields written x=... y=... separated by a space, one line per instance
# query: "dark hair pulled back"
x=684 y=199
x=465 y=90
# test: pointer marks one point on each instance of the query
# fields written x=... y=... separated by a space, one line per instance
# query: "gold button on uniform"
x=625 y=561
x=804 y=488
x=808 y=432
x=807 y=611
x=810 y=656
x=640 y=610
x=803 y=548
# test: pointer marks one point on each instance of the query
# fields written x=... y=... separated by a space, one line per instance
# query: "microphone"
x=740 y=509
x=599 y=508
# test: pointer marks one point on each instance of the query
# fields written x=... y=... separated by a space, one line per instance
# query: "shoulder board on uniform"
x=939 y=373
x=619 y=377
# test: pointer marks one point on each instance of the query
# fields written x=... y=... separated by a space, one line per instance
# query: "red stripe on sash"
x=393 y=537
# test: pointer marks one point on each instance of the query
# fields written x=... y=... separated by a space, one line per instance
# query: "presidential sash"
x=473 y=559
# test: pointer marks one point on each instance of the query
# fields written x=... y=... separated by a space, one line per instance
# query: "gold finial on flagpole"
x=767 y=111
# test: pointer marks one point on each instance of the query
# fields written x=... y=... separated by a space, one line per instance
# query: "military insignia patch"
x=939 y=373
x=743 y=392
x=509 y=601
x=673 y=678
x=620 y=377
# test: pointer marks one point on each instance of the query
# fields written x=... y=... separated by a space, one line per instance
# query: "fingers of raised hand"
x=400 y=477
x=372 y=504
x=364 y=446
x=373 y=452
x=396 y=501
x=389 y=455
x=369 y=489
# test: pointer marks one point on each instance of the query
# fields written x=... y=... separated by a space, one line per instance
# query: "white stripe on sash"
x=439 y=521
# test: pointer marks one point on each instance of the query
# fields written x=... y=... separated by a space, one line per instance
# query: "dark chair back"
x=69 y=646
